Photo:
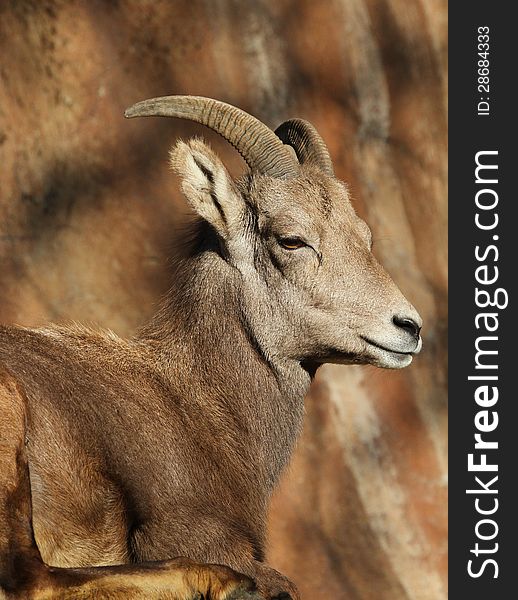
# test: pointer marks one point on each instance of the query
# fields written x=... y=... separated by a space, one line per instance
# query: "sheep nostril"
x=408 y=325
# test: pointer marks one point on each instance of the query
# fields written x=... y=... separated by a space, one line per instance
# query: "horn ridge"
x=260 y=147
x=307 y=143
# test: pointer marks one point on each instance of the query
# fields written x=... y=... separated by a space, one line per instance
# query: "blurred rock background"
x=89 y=210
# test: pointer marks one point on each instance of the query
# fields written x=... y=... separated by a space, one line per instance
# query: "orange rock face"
x=88 y=211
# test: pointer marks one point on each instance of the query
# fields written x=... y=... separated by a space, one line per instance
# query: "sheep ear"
x=208 y=187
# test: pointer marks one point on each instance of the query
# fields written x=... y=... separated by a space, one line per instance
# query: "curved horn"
x=307 y=143
x=258 y=145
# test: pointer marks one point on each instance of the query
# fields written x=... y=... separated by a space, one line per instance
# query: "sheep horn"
x=258 y=145
x=306 y=142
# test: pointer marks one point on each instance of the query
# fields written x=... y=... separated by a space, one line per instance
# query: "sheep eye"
x=291 y=243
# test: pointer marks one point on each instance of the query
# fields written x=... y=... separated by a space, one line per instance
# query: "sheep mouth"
x=391 y=350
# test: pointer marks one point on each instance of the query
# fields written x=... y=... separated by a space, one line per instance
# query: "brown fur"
x=170 y=444
x=81 y=516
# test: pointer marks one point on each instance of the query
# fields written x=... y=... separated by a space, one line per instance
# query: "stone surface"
x=88 y=211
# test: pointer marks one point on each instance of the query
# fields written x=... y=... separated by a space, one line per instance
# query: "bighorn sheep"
x=116 y=456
